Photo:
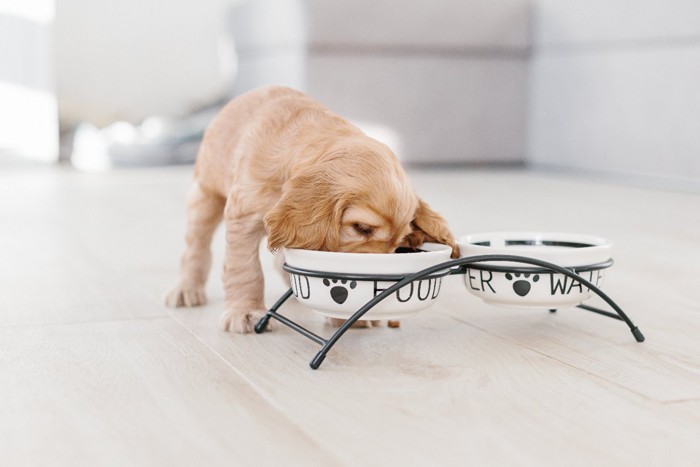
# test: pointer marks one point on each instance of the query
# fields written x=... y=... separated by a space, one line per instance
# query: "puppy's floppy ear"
x=308 y=215
x=429 y=226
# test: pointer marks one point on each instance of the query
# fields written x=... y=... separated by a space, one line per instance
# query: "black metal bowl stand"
x=457 y=266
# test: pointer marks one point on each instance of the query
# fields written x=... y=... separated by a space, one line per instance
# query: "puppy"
x=275 y=161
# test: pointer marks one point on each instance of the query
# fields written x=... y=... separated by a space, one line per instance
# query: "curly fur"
x=276 y=162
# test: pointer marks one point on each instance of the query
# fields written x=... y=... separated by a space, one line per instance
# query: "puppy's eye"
x=363 y=229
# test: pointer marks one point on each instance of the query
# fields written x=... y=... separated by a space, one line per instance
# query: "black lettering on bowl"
x=300 y=286
x=403 y=291
x=427 y=289
x=484 y=280
x=562 y=285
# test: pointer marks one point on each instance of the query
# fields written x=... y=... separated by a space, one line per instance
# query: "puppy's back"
x=255 y=128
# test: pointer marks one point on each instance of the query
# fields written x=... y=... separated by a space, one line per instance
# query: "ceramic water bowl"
x=523 y=285
x=338 y=284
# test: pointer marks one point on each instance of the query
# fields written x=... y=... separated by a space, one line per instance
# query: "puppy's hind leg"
x=204 y=213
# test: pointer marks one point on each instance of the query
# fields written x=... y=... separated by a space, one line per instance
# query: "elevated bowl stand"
x=457 y=266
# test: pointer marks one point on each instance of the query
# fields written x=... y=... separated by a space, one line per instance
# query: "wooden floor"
x=96 y=371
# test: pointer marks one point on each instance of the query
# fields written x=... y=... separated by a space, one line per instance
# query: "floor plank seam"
x=257 y=390
x=681 y=401
x=218 y=355
x=89 y=321
x=595 y=376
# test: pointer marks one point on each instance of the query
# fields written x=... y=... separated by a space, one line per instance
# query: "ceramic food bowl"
x=522 y=285
x=338 y=284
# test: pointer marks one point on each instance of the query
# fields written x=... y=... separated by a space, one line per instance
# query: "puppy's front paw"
x=241 y=322
x=183 y=295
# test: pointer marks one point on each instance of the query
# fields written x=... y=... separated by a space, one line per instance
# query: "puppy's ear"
x=308 y=215
x=429 y=226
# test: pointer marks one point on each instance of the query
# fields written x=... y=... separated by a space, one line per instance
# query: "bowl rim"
x=431 y=247
x=579 y=250
x=348 y=263
x=572 y=241
x=361 y=276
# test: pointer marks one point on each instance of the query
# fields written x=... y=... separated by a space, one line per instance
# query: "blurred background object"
x=155 y=69
x=129 y=60
x=601 y=87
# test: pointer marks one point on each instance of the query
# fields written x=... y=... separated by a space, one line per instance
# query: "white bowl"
x=522 y=285
x=345 y=281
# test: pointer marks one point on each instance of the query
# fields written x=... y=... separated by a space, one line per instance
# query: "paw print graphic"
x=339 y=292
x=522 y=286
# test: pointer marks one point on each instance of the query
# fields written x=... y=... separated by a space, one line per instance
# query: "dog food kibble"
x=405 y=249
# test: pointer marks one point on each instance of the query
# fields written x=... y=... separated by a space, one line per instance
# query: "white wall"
x=440 y=82
x=128 y=59
x=28 y=115
x=615 y=87
x=605 y=85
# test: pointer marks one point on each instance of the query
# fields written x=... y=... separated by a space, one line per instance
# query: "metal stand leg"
x=457 y=266
x=321 y=355
x=638 y=336
x=261 y=325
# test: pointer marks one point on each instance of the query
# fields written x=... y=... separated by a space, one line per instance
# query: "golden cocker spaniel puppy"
x=276 y=162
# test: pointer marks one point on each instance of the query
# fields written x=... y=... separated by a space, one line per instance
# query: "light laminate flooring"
x=94 y=370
